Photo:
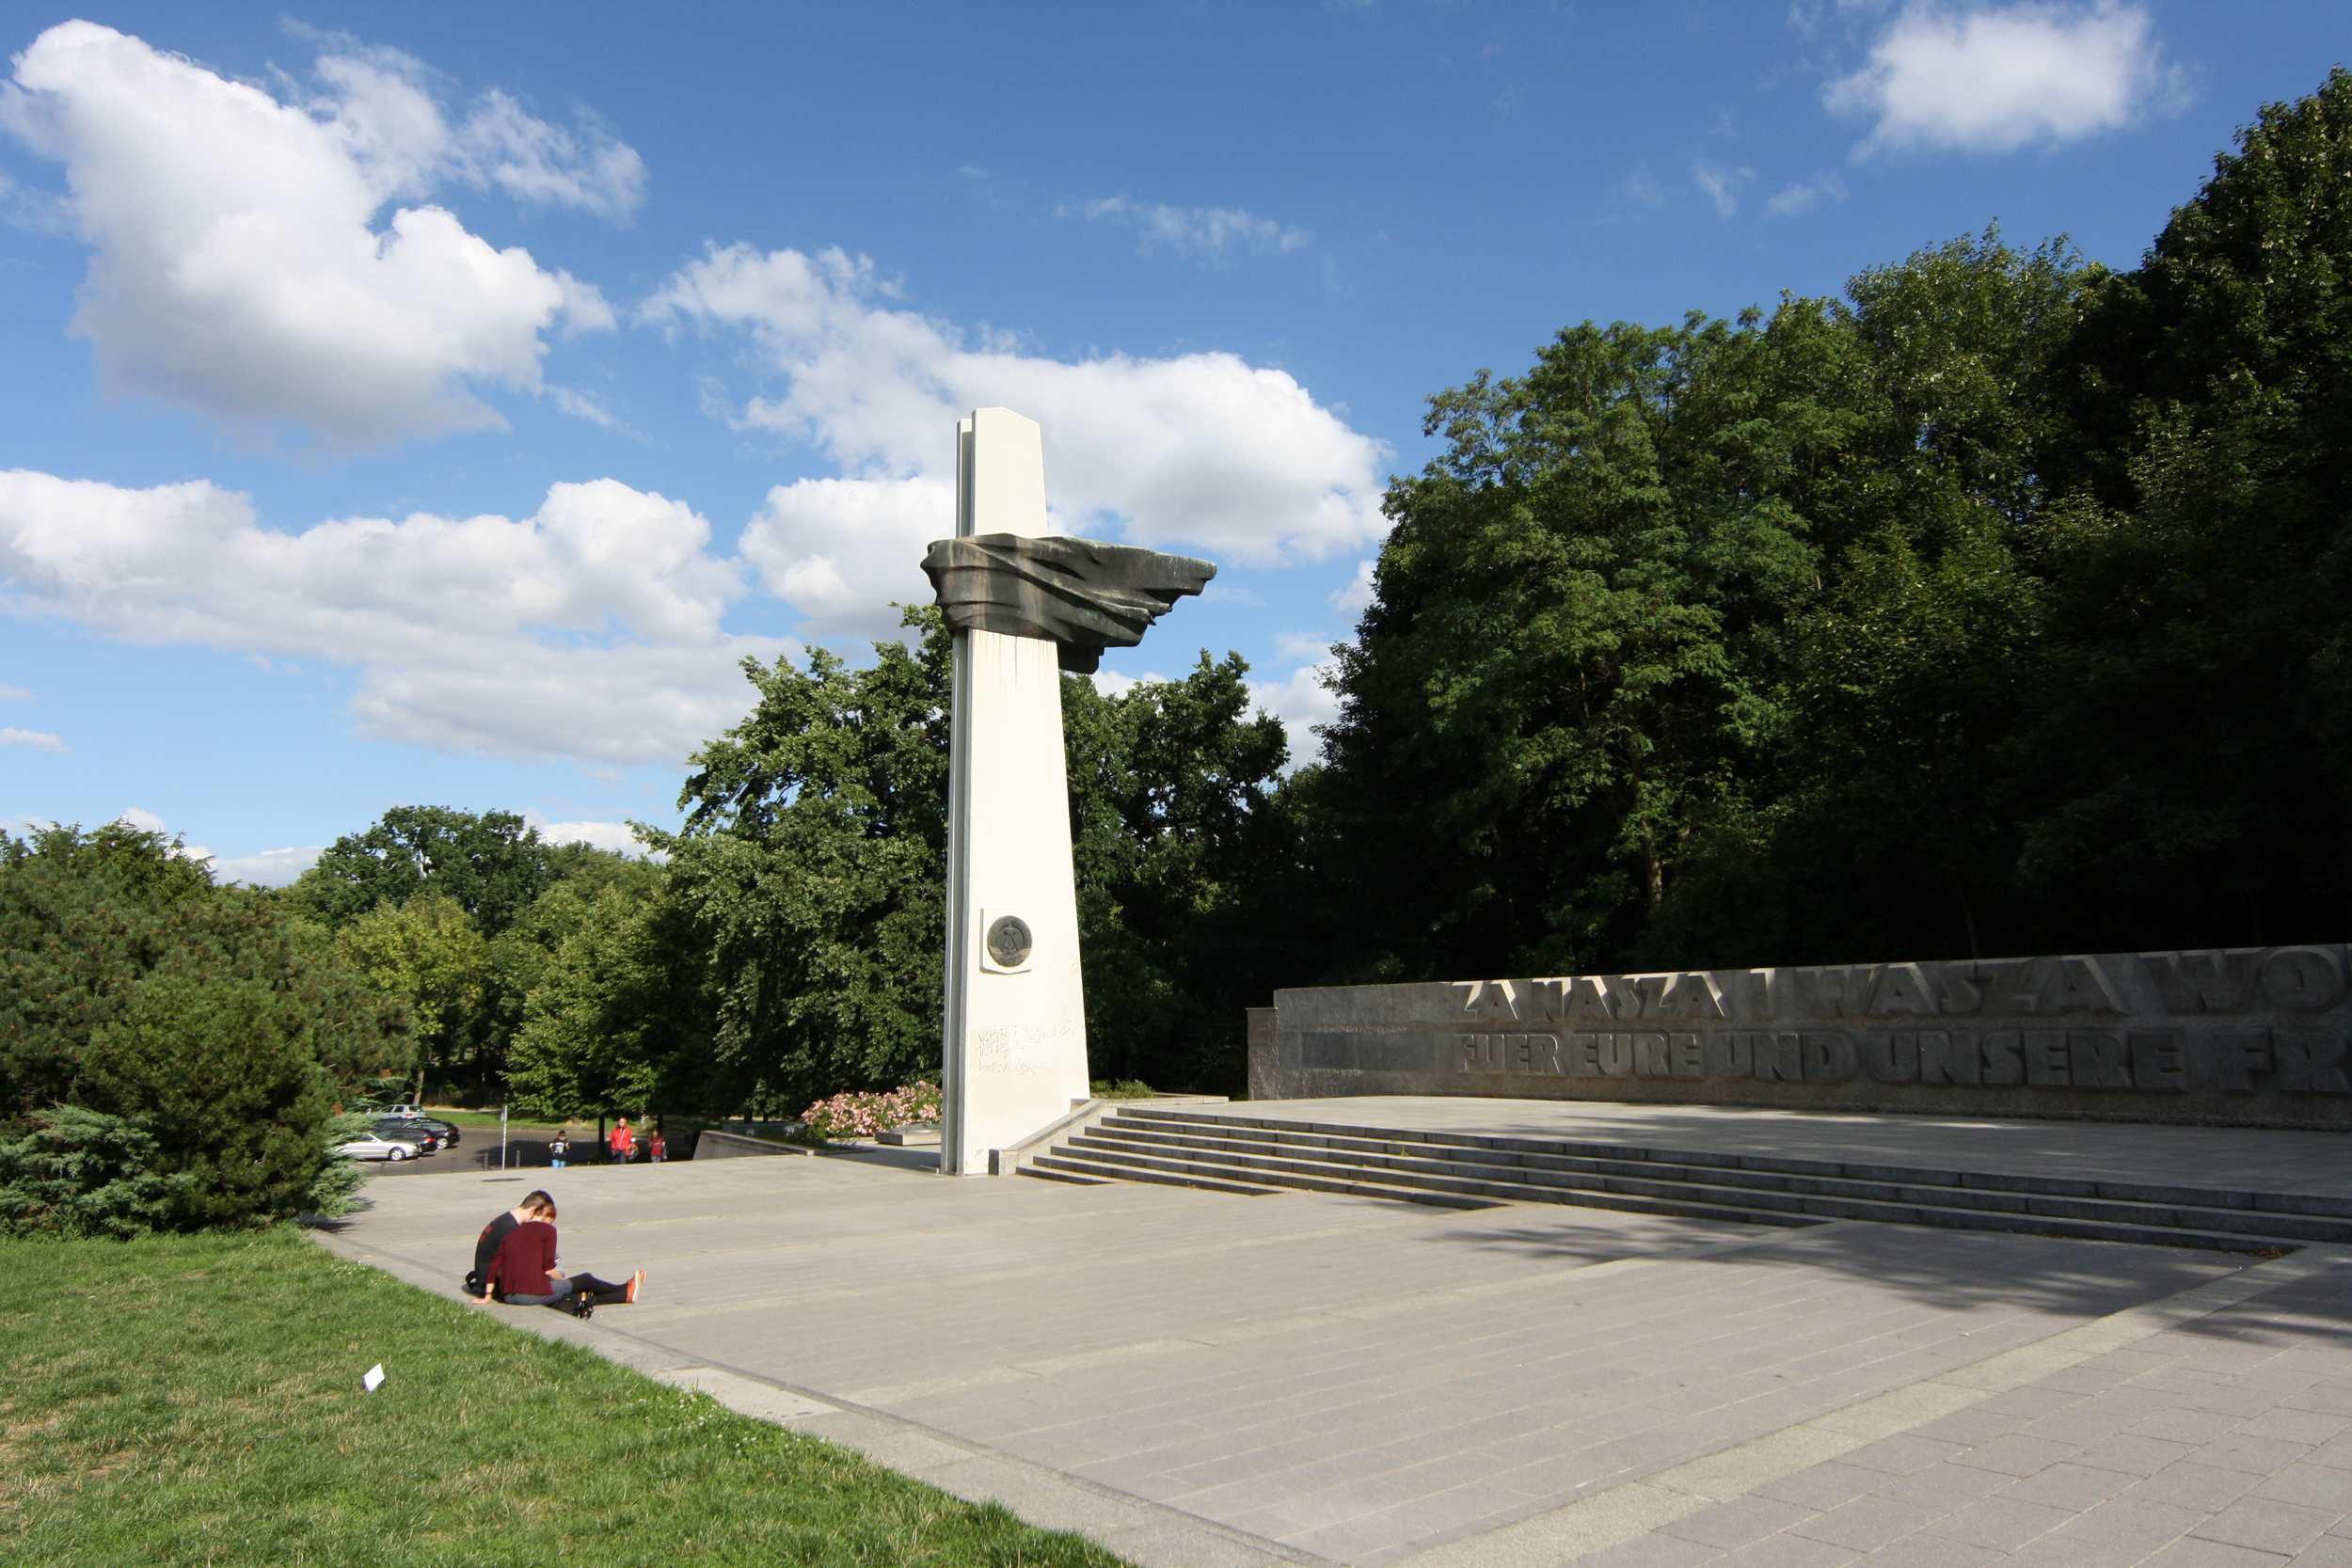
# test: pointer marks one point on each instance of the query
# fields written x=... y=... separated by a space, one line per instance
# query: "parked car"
x=445 y=1130
x=374 y=1146
x=409 y=1132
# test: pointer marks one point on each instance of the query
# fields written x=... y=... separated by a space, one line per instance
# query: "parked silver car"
x=375 y=1145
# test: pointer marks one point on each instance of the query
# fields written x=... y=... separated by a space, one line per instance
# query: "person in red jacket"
x=624 y=1143
x=485 y=1247
x=523 y=1271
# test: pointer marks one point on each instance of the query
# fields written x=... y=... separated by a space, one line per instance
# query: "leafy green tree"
x=133 y=988
x=521 y=956
x=1700 y=645
x=2186 y=781
x=1179 y=846
x=813 y=859
x=1876 y=819
x=492 y=863
x=617 y=1014
x=490 y=870
x=428 y=954
x=1571 y=655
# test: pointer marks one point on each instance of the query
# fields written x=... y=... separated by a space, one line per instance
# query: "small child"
x=560 y=1149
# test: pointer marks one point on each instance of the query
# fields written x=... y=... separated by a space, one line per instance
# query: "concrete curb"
x=1148 y=1534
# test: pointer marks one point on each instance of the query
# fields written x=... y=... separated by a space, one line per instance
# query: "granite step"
x=1440 y=1193
x=1462 y=1170
x=1067 y=1166
x=1348 y=1134
x=1623 y=1158
x=1764 y=1189
x=1076 y=1179
x=1232 y=1177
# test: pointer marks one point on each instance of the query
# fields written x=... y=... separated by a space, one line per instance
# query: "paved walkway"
x=1200 y=1378
x=2240 y=1158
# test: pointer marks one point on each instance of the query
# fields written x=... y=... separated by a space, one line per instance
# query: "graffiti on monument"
x=2241 y=1021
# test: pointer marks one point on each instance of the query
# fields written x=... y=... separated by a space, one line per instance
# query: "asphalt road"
x=477 y=1150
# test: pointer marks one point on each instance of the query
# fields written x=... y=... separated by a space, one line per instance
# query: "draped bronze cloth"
x=1080 y=593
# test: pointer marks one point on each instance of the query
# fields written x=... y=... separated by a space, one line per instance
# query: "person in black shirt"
x=536 y=1205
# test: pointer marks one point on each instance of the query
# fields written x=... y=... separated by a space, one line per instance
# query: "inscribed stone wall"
x=2254 y=1036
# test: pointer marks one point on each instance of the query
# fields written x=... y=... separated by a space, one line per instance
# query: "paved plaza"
x=1196 y=1377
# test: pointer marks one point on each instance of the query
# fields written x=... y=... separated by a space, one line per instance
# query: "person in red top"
x=523 y=1271
x=624 y=1142
x=657 y=1149
x=486 y=1248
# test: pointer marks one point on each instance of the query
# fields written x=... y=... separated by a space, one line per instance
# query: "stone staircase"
x=1223 y=1152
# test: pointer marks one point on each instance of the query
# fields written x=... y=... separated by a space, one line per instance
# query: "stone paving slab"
x=2225 y=1437
x=2242 y=1159
x=1309 y=1376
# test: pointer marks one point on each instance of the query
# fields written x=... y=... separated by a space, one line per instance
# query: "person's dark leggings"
x=600 y=1293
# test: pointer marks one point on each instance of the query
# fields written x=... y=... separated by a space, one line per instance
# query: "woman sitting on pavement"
x=523 y=1271
x=486 y=1246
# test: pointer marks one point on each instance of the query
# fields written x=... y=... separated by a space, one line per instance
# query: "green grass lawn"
x=197 y=1400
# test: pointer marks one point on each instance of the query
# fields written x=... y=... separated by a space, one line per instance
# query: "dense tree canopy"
x=813 y=858
x=2187 y=770
x=1989 y=609
x=616 y=1002
x=133 y=988
x=1179 y=847
x=491 y=863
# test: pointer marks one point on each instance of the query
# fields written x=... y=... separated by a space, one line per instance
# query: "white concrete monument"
x=1024 y=607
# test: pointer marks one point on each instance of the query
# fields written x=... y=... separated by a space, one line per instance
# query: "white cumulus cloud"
x=1201 y=451
x=1354 y=596
x=1995 y=78
x=619 y=837
x=1197 y=230
x=842 y=551
x=1110 y=683
x=39 y=740
x=1301 y=701
x=500 y=145
x=590 y=630
x=238 y=269
x=270 y=868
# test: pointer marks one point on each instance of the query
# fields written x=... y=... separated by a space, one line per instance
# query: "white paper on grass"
x=373 y=1378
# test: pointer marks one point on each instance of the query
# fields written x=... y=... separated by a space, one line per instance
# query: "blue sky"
x=432 y=404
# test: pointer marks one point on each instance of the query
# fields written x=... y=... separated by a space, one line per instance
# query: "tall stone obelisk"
x=1015 y=1034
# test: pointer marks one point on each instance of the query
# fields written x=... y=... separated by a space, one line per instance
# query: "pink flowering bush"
x=862 y=1116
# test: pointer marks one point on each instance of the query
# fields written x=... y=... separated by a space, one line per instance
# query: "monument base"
x=2240 y=1038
